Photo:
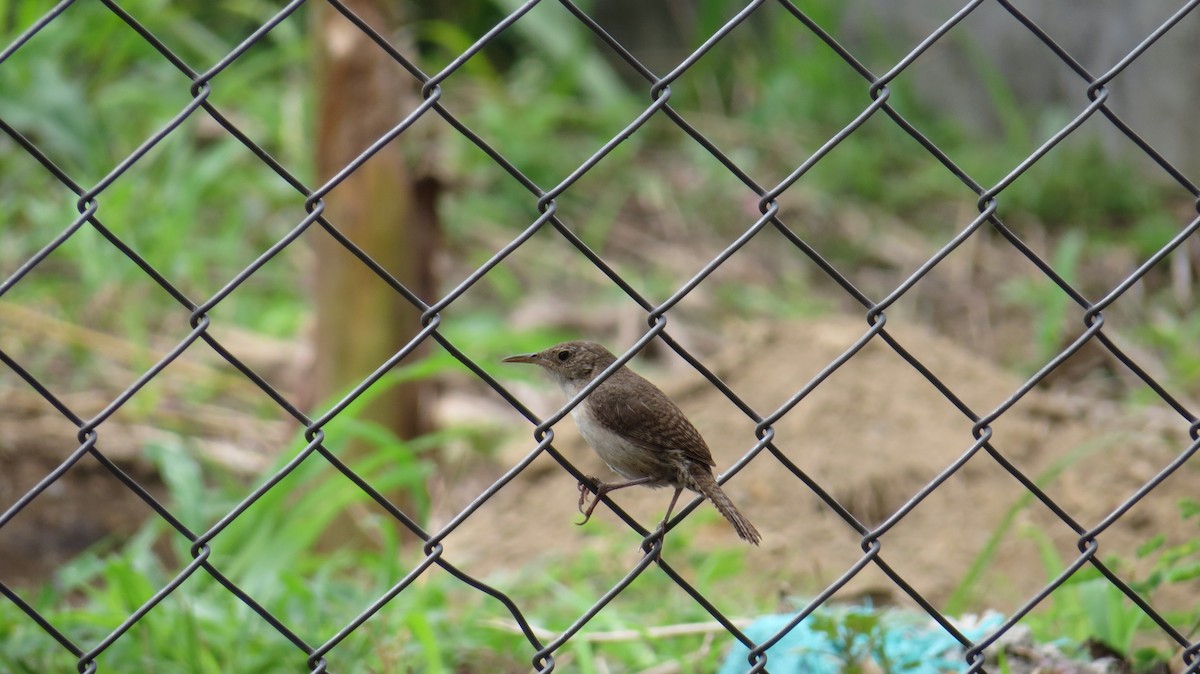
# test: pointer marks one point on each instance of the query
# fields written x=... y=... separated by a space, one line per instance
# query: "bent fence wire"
x=1093 y=91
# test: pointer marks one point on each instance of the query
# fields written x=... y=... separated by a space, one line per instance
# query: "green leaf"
x=1151 y=546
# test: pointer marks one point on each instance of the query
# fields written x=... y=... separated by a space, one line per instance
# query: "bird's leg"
x=663 y=526
x=603 y=488
x=661 y=532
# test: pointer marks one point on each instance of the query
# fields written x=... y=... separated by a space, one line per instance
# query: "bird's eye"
x=564 y=356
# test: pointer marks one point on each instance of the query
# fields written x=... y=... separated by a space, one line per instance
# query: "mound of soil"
x=872 y=436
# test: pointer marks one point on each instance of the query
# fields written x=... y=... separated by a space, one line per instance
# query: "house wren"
x=636 y=429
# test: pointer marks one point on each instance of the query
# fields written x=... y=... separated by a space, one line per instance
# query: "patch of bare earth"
x=872 y=436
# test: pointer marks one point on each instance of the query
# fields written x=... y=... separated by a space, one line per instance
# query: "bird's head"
x=570 y=363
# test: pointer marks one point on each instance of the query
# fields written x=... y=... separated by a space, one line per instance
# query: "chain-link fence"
x=876 y=87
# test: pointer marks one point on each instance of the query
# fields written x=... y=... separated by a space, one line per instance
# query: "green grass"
x=437 y=624
x=199 y=206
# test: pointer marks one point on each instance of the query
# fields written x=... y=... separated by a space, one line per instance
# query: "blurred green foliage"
x=1088 y=606
x=199 y=207
x=88 y=90
x=436 y=624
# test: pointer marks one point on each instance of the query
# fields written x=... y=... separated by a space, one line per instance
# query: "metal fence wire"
x=1093 y=89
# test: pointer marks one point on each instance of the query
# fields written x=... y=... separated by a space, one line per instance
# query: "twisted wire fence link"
x=877 y=104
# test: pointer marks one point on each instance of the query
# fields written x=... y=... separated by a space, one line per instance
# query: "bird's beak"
x=524 y=358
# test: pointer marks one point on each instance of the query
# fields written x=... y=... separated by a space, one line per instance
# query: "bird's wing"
x=637 y=415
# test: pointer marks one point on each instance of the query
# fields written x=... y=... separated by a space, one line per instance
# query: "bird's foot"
x=654 y=541
x=584 y=490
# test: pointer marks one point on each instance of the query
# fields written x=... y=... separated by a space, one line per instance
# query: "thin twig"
x=657 y=632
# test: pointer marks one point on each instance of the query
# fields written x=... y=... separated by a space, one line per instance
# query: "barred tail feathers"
x=706 y=484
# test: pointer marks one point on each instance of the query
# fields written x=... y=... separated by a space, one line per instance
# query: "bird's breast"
x=621 y=455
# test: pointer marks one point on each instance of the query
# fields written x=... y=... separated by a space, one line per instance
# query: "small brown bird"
x=636 y=429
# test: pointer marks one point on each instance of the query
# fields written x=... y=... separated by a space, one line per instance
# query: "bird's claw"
x=654 y=541
x=584 y=490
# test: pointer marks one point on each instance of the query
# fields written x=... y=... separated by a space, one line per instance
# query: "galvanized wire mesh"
x=1094 y=94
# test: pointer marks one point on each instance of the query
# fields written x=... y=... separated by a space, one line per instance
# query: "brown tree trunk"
x=361 y=93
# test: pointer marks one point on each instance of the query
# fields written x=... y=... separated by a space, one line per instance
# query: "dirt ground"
x=871 y=435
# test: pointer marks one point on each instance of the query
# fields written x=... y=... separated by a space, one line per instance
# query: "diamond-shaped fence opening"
x=213 y=563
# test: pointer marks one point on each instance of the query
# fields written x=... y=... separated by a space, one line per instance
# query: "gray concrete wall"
x=1158 y=95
